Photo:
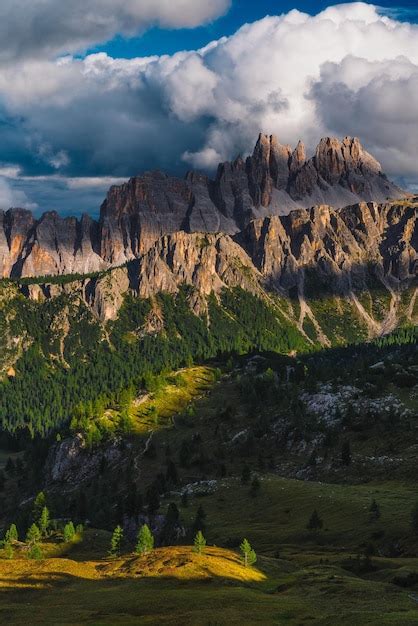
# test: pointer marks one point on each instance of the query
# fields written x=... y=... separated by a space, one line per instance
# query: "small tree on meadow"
x=33 y=535
x=35 y=552
x=8 y=550
x=145 y=540
x=12 y=534
x=249 y=556
x=69 y=532
x=199 y=542
x=38 y=505
x=116 y=541
x=374 y=511
x=255 y=487
x=44 y=522
x=315 y=522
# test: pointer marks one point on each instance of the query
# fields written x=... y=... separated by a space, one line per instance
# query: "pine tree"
x=35 y=552
x=145 y=540
x=79 y=529
x=255 y=487
x=199 y=522
x=199 y=542
x=249 y=557
x=374 y=511
x=69 y=532
x=44 y=522
x=315 y=522
x=12 y=534
x=8 y=550
x=116 y=541
x=38 y=505
x=33 y=535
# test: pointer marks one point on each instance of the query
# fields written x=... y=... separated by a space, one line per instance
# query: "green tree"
x=44 y=522
x=199 y=522
x=8 y=550
x=38 y=505
x=315 y=522
x=12 y=534
x=199 y=542
x=374 y=511
x=255 y=487
x=116 y=541
x=33 y=535
x=35 y=552
x=69 y=532
x=249 y=557
x=145 y=540
x=79 y=529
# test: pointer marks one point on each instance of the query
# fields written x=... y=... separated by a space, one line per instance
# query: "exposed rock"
x=271 y=182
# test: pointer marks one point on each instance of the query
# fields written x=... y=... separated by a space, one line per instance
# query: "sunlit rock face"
x=273 y=181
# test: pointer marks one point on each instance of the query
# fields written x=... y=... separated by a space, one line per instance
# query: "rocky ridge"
x=273 y=181
x=364 y=256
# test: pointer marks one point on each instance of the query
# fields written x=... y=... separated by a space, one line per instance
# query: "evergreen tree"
x=8 y=550
x=185 y=499
x=116 y=541
x=38 y=506
x=255 y=487
x=249 y=557
x=44 y=522
x=315 y=522
x=374 y=511
x=35 y=552
x=69 y=532
x=79 y=529
x=12 y=534
x=33 y=535
x=199 y=522
x=145 y=540
x=199 y=542
x=153 y=499
x=346 y=453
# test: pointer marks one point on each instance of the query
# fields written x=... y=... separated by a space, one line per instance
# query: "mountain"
x=273 y=181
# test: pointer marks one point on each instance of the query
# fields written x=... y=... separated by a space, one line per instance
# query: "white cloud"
x=347 y=70
x=41 y=28
x=10 y=197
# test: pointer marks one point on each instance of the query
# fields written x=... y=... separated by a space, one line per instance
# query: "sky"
x=95 y=91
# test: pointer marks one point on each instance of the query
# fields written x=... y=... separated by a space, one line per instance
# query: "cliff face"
x=273 y=181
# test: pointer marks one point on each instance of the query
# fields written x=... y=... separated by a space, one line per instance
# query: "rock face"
x=355 y=254
x=273 y=181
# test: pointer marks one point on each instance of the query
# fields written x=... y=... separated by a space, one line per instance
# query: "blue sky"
x=81 y=108
x=159 y=41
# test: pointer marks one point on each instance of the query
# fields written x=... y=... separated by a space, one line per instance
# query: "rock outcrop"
x=273 y=181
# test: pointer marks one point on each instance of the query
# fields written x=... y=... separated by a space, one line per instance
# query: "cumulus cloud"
x=10 y=197
x=347 y=70
x=41 y=28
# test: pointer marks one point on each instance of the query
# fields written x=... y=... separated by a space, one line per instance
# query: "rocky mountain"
x=331 y=271
x=273 y=181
